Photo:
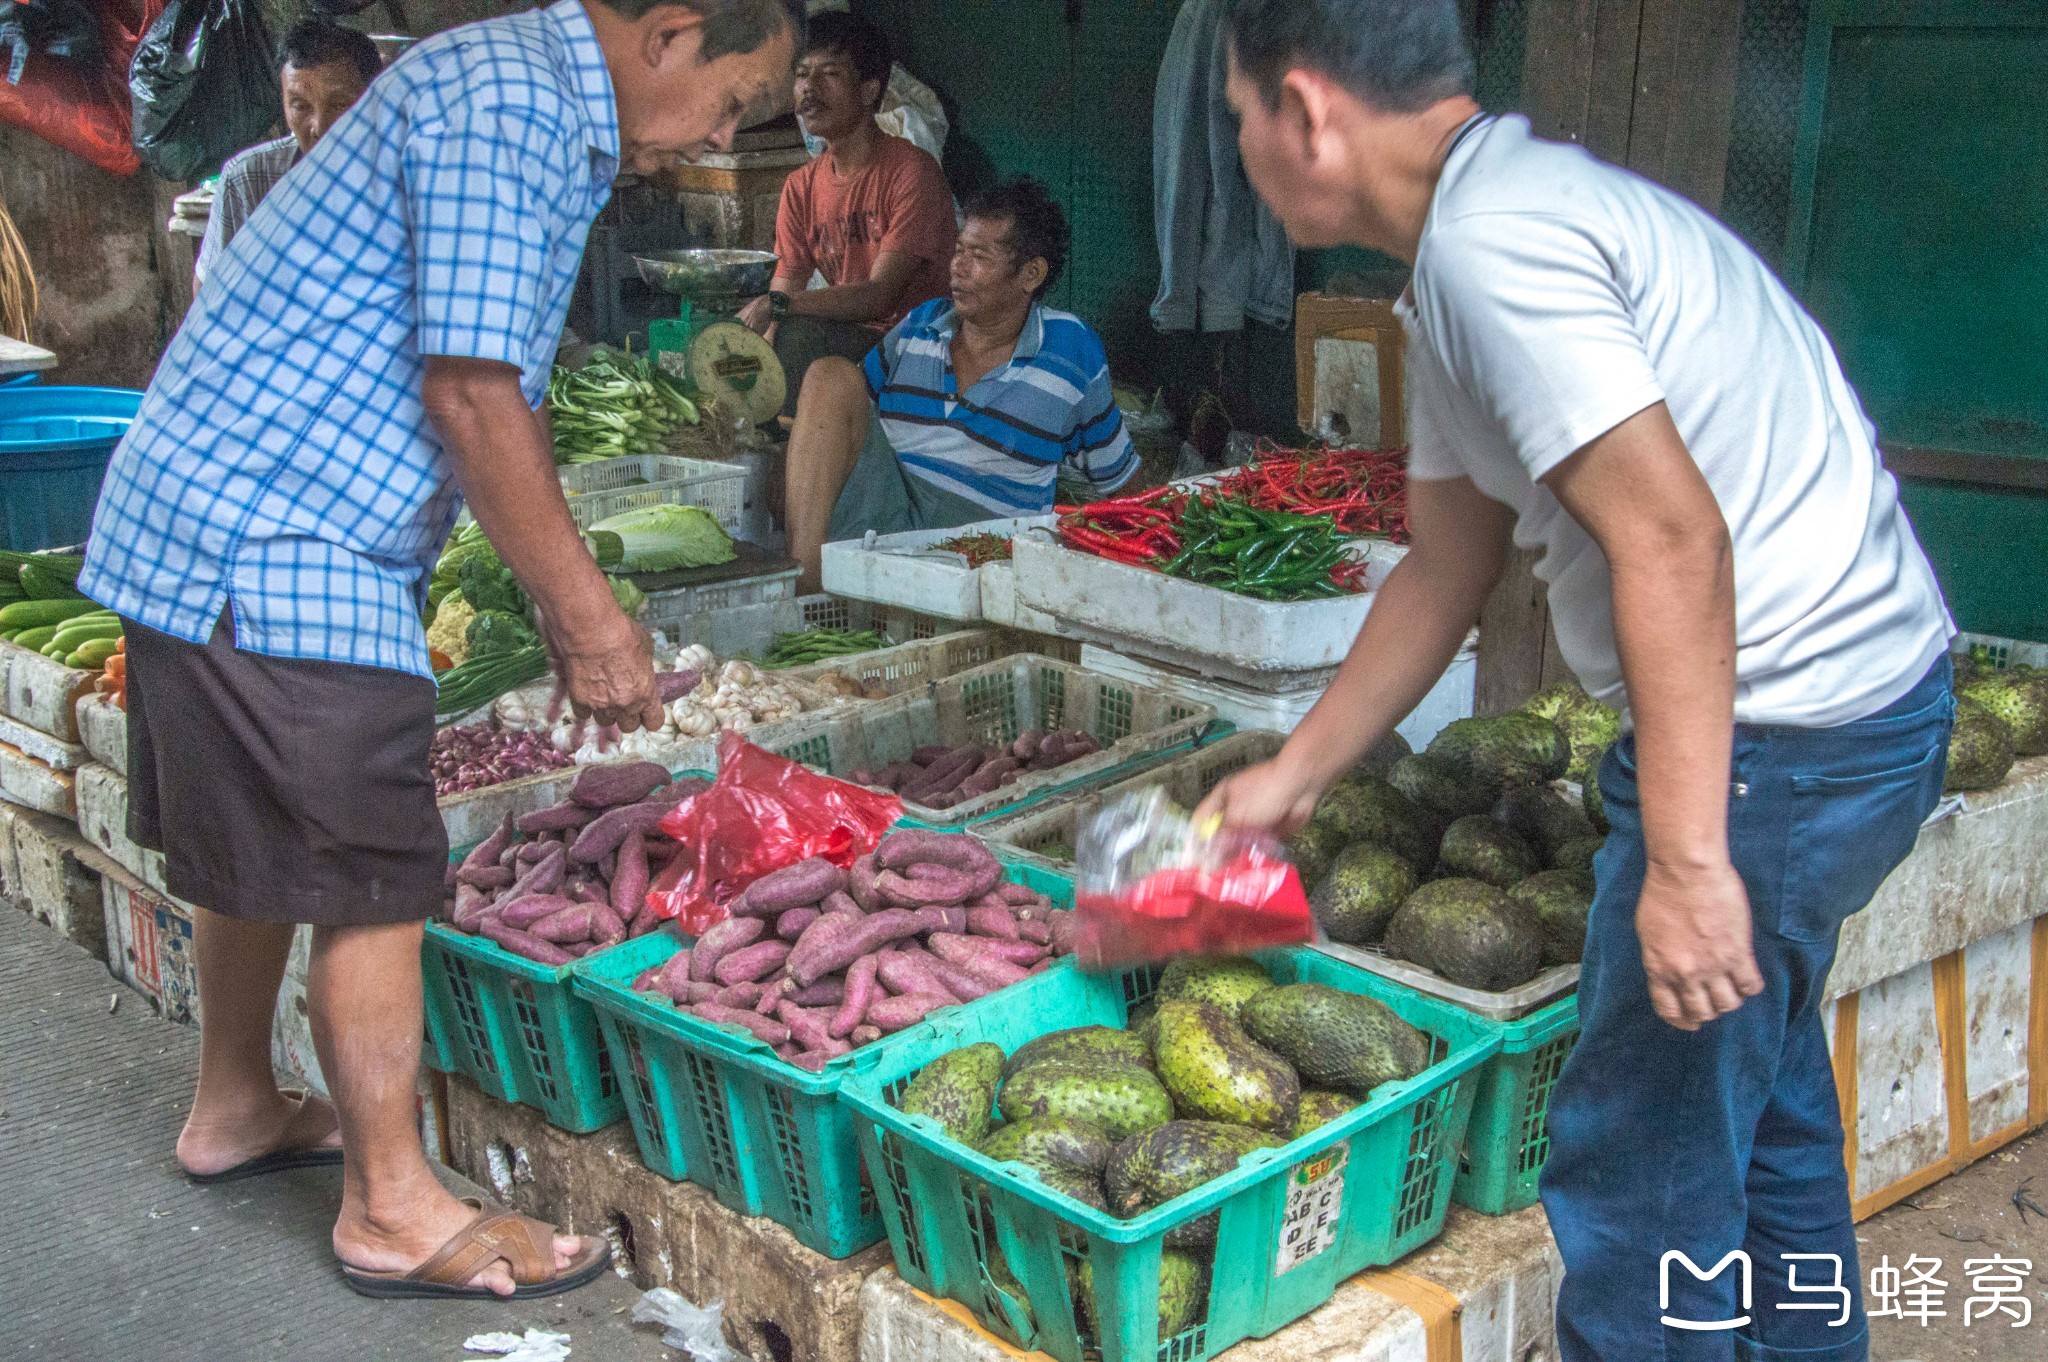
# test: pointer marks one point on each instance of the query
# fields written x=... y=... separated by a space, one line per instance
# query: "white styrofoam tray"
x=1281 y=711
x=1203 y=628
x=901 y=569
x=1509 y=1005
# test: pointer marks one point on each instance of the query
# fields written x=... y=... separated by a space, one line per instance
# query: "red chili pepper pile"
x=1365 y=489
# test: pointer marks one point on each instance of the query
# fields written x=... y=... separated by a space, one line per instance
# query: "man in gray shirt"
x=323 y=68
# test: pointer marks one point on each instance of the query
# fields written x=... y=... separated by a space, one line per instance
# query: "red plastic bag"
x=763 y=812
x=1150 y=885
x=83 y=109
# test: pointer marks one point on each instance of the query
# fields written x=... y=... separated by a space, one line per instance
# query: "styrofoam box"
x=892 y=569
x=1202 y=628
x=1281 y=711
x=999 y=603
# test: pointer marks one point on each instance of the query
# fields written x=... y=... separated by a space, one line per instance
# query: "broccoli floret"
x=488 y=584
x=495 y=631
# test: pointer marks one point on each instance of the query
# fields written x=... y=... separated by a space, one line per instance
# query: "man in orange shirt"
x=872 y=213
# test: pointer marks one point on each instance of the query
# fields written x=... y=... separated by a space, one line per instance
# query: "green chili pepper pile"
x=816 y=645
x=1270 y=555
x=614 y=405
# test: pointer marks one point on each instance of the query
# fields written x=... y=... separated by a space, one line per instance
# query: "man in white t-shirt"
x=1600 y=370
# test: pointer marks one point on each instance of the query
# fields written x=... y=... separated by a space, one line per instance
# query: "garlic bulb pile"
x=735 y=697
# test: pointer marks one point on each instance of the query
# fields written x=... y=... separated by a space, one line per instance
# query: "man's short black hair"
x=1397 y=55
x=860 y=41
x=322 y=42
x=730 y=26
x=1038 y=227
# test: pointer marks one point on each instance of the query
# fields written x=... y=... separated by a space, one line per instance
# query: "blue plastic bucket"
x=54 y=447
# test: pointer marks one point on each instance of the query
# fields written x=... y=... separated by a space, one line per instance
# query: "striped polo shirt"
x=1001 y=443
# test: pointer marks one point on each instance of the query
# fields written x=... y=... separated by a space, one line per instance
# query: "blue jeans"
x=1729 y=1137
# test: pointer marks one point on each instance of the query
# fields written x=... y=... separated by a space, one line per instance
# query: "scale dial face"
x=729 y=361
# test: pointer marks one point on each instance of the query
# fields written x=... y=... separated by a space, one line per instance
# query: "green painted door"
x=1919 y=238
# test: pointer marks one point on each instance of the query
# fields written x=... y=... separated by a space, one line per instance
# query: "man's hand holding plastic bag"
x=1153 y=882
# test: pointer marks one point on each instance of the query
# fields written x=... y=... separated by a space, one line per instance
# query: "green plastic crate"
x=1294 y=1222
x=717 y=1107
x=515 y=1028
x=1508 y=1141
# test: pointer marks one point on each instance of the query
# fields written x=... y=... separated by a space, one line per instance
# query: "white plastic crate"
x=893 y=622
x=736 y=631
x=2003 y=652
x=1252 y=708
x=896 y=569
x=887 y=672
x=675 y=612
x=597 y=491
x=994 y=703
x=1046 y=833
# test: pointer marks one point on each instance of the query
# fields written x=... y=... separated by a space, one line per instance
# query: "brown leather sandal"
x=526 y=1245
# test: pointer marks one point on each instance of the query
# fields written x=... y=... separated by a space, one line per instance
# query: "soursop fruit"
x=1355 y=900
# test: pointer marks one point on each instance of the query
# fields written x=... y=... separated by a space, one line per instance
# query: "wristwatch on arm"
x=778 y=303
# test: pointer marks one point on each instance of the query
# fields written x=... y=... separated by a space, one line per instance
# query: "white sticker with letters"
x=1315 y=1200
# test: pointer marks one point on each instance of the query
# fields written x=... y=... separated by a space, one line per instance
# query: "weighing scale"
x=719 y=357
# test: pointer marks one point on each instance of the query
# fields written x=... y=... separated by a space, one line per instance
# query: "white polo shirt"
x=1554 y=296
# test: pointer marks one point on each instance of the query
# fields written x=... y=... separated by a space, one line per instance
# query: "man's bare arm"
x=505 y=464
x=1638 y=493
x=873 y=299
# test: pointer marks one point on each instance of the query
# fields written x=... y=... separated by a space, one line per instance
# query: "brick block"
x=782 y=1301
x=58 y=885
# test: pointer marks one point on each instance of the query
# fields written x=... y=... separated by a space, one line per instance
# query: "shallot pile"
x=816 y=960
x=939 y=777
x=555 y=884
x=483 y=754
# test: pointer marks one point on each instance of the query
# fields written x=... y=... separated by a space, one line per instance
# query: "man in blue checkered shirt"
x=369 y=349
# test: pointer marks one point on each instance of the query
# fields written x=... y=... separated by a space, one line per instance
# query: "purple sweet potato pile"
x=939 y=777
x=816 y=960
x=561 y=882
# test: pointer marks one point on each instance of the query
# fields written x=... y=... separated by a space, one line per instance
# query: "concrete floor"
x=111 y=1254
x=1968 y=1215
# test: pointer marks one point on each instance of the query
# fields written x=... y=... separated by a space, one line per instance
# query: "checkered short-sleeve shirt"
x=282 y=461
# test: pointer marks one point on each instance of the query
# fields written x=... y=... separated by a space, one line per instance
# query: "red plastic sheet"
x=763 y=812
x=86 y=112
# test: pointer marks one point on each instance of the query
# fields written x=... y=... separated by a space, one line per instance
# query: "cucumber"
x=75 y=632
x=53 y=649
x=92 y=655
x=44 y=583
x=30 y=614
x=34 y=639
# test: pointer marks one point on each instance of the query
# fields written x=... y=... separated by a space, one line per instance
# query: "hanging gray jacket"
x=1223 y=256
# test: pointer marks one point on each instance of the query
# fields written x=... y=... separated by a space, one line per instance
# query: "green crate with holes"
x=994 y=704
x=1508 y=1140
x=717 y=1107
x=1294 y=1222
x=516 y=1029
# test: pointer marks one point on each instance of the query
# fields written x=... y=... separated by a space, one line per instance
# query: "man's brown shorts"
x=283 y=789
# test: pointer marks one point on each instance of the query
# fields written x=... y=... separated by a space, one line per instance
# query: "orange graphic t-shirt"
x=838 y=225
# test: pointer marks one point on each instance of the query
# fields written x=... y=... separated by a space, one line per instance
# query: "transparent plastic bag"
x=698 y=1330
x=763 y=812
x=1151 y=883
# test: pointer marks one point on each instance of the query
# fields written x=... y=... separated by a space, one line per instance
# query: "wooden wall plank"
x=1649 y=84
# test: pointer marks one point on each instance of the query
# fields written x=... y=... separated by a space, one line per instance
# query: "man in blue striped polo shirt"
x=968 y=408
